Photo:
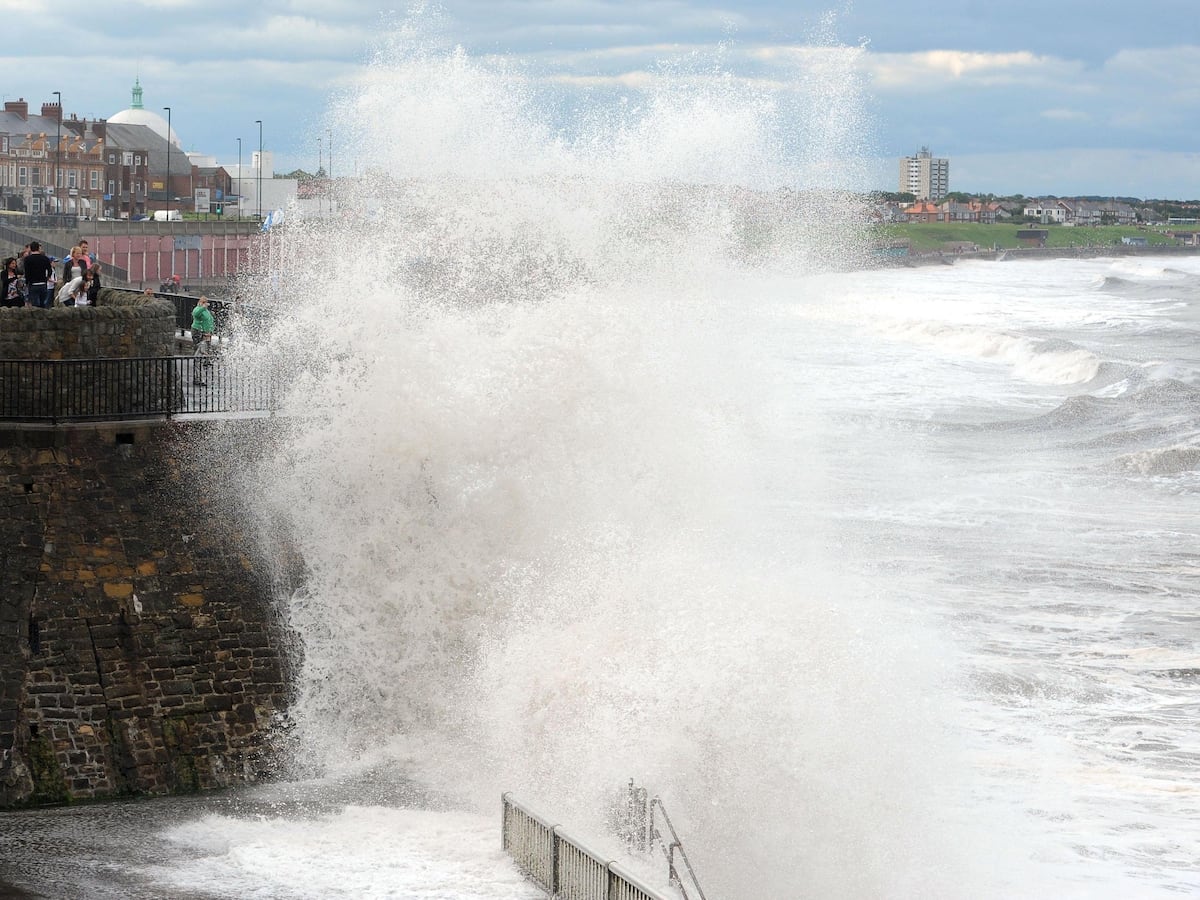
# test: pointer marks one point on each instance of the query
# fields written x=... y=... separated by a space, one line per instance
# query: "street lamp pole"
x=168 y=109
x=258 y=122
x=57 y=153
x=239 y=178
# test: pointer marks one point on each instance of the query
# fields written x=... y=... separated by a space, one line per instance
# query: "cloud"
x=1065 y=115
x=936 y=70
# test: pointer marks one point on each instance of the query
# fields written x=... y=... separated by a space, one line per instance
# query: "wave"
x=1036 y=360
x=1163 y=461
x=1161 y=283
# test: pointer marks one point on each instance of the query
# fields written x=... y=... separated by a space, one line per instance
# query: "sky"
x=1066 y=97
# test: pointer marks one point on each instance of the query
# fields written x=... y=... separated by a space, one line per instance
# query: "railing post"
x=53 y=393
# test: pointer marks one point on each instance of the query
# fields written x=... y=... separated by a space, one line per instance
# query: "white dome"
x=151 y=120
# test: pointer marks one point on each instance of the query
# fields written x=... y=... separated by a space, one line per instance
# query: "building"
x=129 y=165
x=1047 y=210
x=48 y=165
x=924 y=176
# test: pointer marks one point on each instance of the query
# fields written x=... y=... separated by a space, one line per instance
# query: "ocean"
x=895 y=598
x=607 y=461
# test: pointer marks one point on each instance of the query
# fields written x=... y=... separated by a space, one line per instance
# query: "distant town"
x=924 y=196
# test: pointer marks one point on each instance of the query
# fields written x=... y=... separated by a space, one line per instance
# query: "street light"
x=239 y=178
x=57 y=150
x=168 y=109
x=258 y=122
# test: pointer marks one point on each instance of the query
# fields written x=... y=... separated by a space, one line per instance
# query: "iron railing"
x=223 y=311
x=642 y=822
x=562 y=865
x=77 y=390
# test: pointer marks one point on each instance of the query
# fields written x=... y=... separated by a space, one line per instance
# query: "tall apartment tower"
x=924 y=176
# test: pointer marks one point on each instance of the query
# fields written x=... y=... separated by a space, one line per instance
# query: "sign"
x=202 y=200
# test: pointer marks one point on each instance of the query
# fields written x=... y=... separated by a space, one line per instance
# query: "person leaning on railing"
x=202 y=332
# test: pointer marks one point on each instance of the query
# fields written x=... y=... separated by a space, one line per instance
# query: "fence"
x=562 y=865
x=71 y=390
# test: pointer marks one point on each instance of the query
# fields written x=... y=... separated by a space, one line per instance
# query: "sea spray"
x=527 y=460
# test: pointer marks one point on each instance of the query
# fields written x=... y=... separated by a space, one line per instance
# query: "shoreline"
x=948 y=258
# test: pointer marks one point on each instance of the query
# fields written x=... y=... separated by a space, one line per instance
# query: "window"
x=36 y=175
x=112 y=158
x=127 y=158
x=111 y=187
x=22 y=176
x=94 y=180
x=37 y=204
x=137 y=160
x=72 y=178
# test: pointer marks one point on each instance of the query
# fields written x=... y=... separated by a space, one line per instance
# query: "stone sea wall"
x=122 y=325
x=141 y=651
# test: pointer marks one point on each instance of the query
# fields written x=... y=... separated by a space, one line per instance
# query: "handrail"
x=637 y=825
x=669 y=850
x=18 y=238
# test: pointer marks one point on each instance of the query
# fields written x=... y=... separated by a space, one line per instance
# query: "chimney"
x=52 y=111
x=98 y=128
x=19 y=107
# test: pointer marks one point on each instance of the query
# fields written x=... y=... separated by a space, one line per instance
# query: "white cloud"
x=934 y=70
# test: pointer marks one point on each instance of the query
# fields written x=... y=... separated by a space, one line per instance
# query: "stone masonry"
x=141 y=651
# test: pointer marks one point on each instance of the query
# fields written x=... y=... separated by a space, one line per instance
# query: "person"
x=72 y=268
x=85 y=259
x=39 y=272
x=12 y=285
x=94 y=285
x=202 y=332
x=68 y=294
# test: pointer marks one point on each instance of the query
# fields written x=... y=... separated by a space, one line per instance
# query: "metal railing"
x=223 y=311
x=638 y=823
x=562 y=865
x=79 y=390
x=18 y=238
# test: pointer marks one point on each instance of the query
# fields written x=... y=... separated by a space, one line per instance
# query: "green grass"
x=923 y=237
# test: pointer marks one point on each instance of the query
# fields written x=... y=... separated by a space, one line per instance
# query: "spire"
x=137 y=94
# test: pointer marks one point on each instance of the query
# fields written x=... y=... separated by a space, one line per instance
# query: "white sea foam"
x=1030 y=359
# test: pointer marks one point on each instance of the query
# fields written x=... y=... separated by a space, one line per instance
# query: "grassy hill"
x=926 y=236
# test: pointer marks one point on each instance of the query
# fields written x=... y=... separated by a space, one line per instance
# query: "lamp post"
x=239 y=178
x=258 y=122
x=329 y=170
x=57 y=150
x=168 y=109
x=317 y=180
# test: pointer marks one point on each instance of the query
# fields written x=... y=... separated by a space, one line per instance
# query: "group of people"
x=31 y=280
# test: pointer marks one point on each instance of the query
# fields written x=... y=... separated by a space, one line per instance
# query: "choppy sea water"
x=926 y=626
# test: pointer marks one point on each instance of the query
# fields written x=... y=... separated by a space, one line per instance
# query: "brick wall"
x=140 y=647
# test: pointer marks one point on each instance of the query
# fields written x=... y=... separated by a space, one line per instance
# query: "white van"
x=168 y=215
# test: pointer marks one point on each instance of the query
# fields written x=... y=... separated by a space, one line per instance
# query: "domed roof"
x=136 y=115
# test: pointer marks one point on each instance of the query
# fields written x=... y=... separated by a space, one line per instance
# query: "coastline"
x=946 y=258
